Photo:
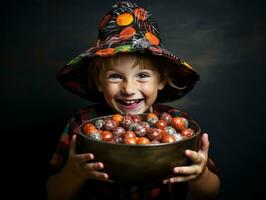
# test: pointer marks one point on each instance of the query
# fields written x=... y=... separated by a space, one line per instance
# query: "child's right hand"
x=79 y=166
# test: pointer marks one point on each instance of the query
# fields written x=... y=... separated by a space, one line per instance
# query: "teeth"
x=129 y=101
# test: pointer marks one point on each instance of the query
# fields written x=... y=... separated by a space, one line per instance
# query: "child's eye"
x=114 y=77
x=143 y=75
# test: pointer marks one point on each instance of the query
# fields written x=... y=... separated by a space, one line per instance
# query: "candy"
x=88 y=128
x=188 y=132
x=133 y=129
x=143 y=140
x=177 y=136
x=170 y=130
x=140 y=130
x=168 y=139
x=118 y=139
x=161 y=124
x=152 y=118
x=166 y=117
x=180 y=123
x=117 y=131
x=127 y=121
x=117 y=118
x=99 y=123
x=109 y=124
x=136 y=118
x=130 y=140
x=107 y=136
x=154 y=134
x=95 y=136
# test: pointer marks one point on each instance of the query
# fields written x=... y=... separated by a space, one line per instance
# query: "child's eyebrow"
x=110 y=69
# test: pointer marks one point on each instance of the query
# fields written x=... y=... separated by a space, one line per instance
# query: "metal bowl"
x=139 y=163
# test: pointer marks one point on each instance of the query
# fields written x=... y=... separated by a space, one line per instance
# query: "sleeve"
x=60 y=156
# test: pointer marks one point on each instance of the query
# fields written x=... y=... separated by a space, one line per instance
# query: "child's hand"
x=78 y=164
x=194 y=171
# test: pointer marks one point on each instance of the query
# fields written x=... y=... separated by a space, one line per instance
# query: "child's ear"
x=161 y=85
x=99 y=86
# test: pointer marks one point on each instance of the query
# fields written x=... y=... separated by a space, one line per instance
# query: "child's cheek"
x=110 y=91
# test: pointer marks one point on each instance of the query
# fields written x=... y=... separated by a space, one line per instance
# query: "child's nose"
x=128 y=88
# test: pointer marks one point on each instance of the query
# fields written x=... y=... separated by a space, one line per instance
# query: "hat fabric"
x=127 y=28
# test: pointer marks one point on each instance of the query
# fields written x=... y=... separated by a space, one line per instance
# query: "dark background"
x=224 y=40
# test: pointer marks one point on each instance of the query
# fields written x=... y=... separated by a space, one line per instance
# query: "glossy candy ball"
x=136 y=118
x=96 y=136
x=161 y=124
x=117 y=131
x=130 y=140
x=166 y=117
x=129 y=134
x=140 y=130
x=143 y=140
x=180 y=123
x=168 y=139
x=170 y=130
x=154 y=134
x=152 y=118
x=177 y=136
x=106 y=136
x=117 y=118
x=109 y=124
x=99 y=123
x=127 y=121
x=188 y=132
x=88 y=128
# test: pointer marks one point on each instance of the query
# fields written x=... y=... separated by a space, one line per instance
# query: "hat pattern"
x=127 y=27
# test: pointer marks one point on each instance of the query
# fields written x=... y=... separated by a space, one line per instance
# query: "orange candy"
x=124 y=19
x=107 y=136
x=179 y=123
x=129 y=134
x=88 y=128
x=188 y=132
x=161 y=124
x=143 y=140
x=168 y=139
x=117 y=117
x=130 y=140
x=152 y=38
x=152 y=118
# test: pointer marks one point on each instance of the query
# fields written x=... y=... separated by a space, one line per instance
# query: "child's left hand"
x=199 y=165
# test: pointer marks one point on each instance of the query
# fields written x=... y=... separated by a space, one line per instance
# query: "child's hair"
x=100 y=63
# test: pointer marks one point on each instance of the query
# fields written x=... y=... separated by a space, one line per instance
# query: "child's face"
x=130 y=88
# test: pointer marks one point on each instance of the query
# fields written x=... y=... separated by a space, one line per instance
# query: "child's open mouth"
x=129 y=102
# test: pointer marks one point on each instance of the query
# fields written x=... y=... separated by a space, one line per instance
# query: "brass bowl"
x=139 y=163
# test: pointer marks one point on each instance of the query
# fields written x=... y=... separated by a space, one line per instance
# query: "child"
x=128 y=71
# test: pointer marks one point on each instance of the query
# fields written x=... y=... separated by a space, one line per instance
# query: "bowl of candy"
x=139 y=148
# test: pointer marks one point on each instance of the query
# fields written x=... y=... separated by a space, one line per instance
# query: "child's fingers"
x=205 y=143
x=194 y=156
x=100 y=176
x=72 y=148
x=94 y=166
x=83 y=158
x=185 y=170
x=179 y=179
